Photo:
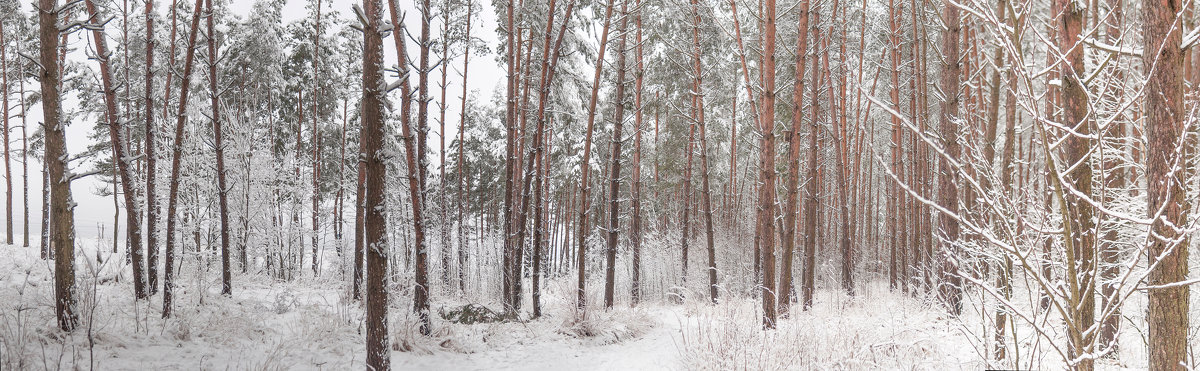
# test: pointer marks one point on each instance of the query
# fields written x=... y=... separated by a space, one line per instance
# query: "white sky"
x=94 y=212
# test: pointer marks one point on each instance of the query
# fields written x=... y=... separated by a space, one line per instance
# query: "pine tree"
x=372 y=160
x=1167 y=202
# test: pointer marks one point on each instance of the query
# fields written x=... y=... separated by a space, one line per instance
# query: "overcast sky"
x=95 y=212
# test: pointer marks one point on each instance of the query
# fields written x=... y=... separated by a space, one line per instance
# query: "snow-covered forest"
x=577 y=184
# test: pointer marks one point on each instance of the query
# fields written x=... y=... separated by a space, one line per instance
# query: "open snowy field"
x=310 y=324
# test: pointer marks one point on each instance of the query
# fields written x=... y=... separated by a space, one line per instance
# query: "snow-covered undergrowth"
x=311 y=323
x=890 y=331
x=268 y=324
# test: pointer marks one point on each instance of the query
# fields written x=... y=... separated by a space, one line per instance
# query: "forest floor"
x=310 y=324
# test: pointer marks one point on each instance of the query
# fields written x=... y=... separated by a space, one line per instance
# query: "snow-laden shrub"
x=839 y=332
x=285 y=301
x=608 y=326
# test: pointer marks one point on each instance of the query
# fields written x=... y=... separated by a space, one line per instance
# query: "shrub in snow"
x=285 y=301
x=471 y=314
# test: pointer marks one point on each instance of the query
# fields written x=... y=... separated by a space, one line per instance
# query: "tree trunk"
x=793 y=182
x=62 y=211
x=897 y=259
x=614 y=173
x=415 y=160
x=1168 y=204
x=359 y=209
x=24 y=158
x=837 y=118
x=46 y=252
x=173 y=193
x=698 y=119
x=636 y=180
x=462 y=127
x=512 y=56
x=766 y=191
x=950 y=283
x=373 y=165
x=1114 y=182
x=119 y=156
x=152 y=205
x=8 y=213
x=585 y=166
x=1081 y=238
x=218 y=142
x=316 y=161
x=443 y=202
x=812 y=203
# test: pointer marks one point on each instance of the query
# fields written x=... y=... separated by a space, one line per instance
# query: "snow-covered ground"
x=311 y=324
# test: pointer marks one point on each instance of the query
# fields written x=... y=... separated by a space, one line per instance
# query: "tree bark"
x=812 y=203
x=462 y=127
x=585 y=167
x=133 y=224
x=614 y=173
x=173 y=193
x=316 y=161
x=1167 y=202
x=219 y=143
x=1114 y=182
x=372 y=163
x=793 y=182
x=414 y=157
x=766 y=191
x=698 y=119
x=62 y=211
x=1081 y=238
x=636 y=178
x=8 y=213
x=950 y=283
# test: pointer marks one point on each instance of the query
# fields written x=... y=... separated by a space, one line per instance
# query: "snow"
x=310 y=323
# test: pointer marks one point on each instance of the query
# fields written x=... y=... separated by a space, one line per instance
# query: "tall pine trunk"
x=788 y=241
x=8 y=213
x=177 y=154
x=413 y=157
x=1080 y=236
x=766 y=190
x=121 y=158
x=219 y=143
x=635 y=229
x=614 y=172
x=462 y=127
x=1167 y=201
x=950 y=283
x=61 y=209
x=374 y=167
x=585 y=168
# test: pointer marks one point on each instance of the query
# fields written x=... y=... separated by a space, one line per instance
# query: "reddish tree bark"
x=793 y=182
x=372 y=163
x=950 y=285
x=133 y=224
x=62 y=212
x=812 y=203
x=219 y=144
x=614 y=172
x=1167 y=200
x=636 y=181
x=462 y=128
x=1081 y=237
x=766 y=191
x=173 y=193
x=1114 y=181
x=585 y=166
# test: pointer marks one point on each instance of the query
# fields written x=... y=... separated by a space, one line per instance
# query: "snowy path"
x=655 y=350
